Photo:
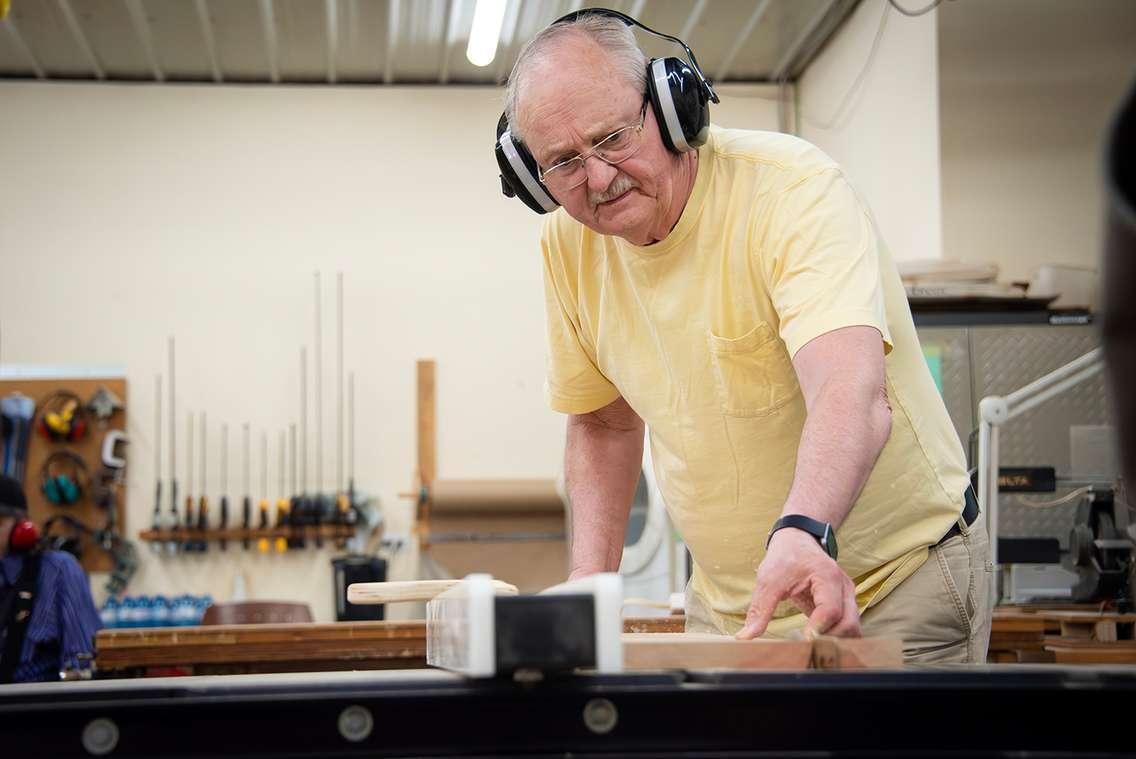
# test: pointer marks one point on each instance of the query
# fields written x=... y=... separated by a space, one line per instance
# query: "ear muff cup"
x=69 y=490
x=520 y=176
x=679 y=103
x=78 y=429
x=51 y=490
x=24 y=537
x=61 y=490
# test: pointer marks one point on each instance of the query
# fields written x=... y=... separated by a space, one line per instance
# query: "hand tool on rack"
x=155 y=546
x=295 y=521
x=246 y=501
x=224 y=523
x=172 y=519
x=18 y=412
x=352 y=515
x=189 y=544
x=203 y=502
x=307 y=512
x=262 y=544
x=317 y=490
x=281 y=504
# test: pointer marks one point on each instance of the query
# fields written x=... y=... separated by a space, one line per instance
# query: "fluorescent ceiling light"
x=486 y=31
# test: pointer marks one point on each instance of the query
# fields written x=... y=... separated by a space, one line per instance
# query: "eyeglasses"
x=613 y=149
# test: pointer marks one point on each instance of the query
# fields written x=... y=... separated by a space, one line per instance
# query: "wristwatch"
x=822 y=531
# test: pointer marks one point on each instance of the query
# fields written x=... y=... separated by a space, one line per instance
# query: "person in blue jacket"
x=48 y=619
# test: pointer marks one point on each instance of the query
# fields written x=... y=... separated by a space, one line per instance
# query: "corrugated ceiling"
x=376 y=41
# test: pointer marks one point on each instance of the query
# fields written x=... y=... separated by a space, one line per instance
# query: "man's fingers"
x=829 y=605
x=849 y=624
x=765 y=600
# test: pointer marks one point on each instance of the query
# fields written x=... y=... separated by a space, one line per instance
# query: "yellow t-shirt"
x=697 y=331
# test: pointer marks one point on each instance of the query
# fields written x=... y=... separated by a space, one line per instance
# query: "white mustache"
x=621 y=184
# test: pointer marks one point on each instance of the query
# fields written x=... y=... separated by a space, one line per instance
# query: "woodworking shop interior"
x=302 y=369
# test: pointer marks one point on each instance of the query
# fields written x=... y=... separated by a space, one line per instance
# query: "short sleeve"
x=574 y=384
x=821 y=262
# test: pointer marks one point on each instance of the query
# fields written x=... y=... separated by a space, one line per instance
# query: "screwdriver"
x=281 y=504
x=189 y=544
x=246 y=505
x=172 y=523
x=296 y=539
x=203 y=503
x=262 y=542
x=155 y=545
x=224 y=483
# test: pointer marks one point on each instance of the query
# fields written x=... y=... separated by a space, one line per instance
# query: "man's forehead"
x=562 y=109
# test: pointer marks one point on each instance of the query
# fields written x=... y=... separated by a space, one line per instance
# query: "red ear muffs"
x=62 y=417
x=25 y=536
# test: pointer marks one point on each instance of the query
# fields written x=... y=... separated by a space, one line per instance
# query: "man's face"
x=573 y=102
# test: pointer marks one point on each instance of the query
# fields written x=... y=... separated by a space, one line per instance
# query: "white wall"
x=1028 y=87
x=887 y=137
x=129 y=213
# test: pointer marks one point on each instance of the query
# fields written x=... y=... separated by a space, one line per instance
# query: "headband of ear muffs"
x=679 y=94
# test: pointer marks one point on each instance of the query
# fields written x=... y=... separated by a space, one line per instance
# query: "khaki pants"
x=941 y=613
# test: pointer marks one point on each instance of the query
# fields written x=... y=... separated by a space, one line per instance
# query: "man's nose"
x=600 y=173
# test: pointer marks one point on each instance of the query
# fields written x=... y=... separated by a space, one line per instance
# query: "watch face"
x=828 y=542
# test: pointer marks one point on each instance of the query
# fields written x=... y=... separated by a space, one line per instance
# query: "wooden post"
x=427 y=440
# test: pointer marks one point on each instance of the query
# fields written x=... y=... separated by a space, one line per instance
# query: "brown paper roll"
x=495 y=496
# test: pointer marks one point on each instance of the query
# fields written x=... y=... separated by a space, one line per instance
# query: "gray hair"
x=611 y=34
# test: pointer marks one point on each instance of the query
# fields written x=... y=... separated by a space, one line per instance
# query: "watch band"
x=822 y=531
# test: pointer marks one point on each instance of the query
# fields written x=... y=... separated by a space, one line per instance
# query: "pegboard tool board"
x=89 y=448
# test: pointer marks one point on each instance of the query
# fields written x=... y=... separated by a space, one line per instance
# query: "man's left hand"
x=797 y=568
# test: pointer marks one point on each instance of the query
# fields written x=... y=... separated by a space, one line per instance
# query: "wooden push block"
x=707 y=651
x=411 y=590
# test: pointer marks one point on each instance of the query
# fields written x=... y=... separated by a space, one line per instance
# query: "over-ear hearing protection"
x=62 y=417
x=71 y=541
x=24 y=537
x=679 y=94
x=62 y=478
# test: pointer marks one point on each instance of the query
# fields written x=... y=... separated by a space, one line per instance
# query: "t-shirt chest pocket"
x=753 y=373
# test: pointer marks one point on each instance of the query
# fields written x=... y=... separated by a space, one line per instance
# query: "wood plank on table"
x=673 y=623
x=708 y=651
x=1073 y=651
x=218 y=644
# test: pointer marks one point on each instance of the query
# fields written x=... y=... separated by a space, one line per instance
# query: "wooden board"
x=707 y=651
x=274 y=647
x=674 y=623
x=427 y=429
x=89 y=448
x=1073 y=651
x=410 y=590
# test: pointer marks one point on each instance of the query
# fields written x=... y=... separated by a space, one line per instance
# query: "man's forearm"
x=603 y=456
x=845 y=431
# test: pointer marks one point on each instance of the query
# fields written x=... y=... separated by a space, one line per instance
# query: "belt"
x=969 y=514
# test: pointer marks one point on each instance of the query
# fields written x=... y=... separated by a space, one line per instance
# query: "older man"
x=737 y=299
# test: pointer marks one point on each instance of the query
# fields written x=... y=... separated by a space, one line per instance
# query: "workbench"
x=1053 y=710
